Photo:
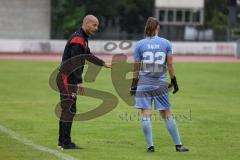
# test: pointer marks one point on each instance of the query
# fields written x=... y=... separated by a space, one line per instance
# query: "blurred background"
x=195 y=20
x=181 y=21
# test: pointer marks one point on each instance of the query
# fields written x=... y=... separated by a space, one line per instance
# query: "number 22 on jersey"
x=152 y=62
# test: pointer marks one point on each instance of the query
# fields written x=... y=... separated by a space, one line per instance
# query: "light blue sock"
x=147 y=130
x=173 y=130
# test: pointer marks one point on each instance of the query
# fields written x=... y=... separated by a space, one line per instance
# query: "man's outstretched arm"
x=95 y=60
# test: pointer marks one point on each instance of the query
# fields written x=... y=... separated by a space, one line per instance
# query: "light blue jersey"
x=152 y=53
x=152 y=87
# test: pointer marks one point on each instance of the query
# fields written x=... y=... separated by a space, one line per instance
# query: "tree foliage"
x=66 y=17
x=216 y=14
x=133 y=14
x=68 y=14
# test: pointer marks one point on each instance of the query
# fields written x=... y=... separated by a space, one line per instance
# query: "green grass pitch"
x=210 y=90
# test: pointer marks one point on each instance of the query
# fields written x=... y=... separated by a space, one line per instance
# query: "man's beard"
x=92 y=33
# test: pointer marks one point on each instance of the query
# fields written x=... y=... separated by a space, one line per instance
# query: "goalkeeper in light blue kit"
x=152 y=59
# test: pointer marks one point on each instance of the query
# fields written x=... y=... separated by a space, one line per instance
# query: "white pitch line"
x=25 y=141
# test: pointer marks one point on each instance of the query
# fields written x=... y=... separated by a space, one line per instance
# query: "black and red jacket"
x=72 y=67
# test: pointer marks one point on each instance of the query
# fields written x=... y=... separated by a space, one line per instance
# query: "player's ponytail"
x=150 y=27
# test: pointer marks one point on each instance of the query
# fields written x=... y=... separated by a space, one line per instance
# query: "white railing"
x=115 y=47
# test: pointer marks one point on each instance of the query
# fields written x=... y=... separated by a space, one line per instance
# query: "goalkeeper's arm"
x=136 y=68
x=171 y=71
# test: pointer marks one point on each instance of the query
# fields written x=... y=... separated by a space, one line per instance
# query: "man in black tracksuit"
x=69 y=79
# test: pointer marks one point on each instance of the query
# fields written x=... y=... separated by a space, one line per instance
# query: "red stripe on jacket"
x=80 y=41
x=65 y=83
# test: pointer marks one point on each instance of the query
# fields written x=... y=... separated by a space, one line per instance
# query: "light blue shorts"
x=147 y=94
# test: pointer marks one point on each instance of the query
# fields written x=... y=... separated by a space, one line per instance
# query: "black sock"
x=178 y=146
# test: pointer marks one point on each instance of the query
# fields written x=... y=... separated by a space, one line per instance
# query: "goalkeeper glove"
x=174 y=84
x=133 y=88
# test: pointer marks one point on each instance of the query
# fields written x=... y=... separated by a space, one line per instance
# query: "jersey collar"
x=85 y=36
